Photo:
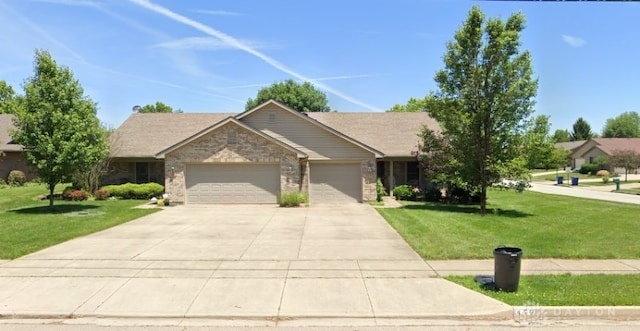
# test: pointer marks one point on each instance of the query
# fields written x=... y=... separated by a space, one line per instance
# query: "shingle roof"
x=609 y=145
x=6 y=142
x=144 y=135
x=571 y=145
x=392 y=133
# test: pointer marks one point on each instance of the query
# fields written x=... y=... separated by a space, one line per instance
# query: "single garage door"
x=335 y=182
x=232 y=183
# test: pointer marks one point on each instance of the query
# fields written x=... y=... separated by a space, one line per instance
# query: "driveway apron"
x=248 y=262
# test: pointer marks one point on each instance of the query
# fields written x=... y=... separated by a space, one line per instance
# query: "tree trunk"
x=52 y=187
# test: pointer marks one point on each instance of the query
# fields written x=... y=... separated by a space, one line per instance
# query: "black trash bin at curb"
x=507 y=268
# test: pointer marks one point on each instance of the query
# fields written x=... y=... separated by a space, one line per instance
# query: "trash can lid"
x=508 y=251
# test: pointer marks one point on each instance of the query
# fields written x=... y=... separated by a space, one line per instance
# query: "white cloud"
x=573 y=41
x=235 y=43
x=218 y=12
x=207 y=43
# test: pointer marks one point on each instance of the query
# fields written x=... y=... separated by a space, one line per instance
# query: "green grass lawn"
x=544 y=226
x=565 y=290
x=28 y=225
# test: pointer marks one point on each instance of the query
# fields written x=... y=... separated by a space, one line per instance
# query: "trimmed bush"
x=78 y=195
x=135 y=191
x=16 y=178
x=589 y=169
x=101 y=194
x=66 y=193
x=404 y=192
x=605 y=179
x=602 y=173
x=292 y=199
x=379 y=190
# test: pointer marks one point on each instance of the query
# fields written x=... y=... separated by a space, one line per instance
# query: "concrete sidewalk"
x=537 y=267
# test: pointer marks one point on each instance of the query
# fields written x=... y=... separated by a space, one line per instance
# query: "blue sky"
x=211 y=56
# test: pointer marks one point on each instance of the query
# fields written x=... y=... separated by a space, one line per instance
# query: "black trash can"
x=559 y=180
x=507 y=268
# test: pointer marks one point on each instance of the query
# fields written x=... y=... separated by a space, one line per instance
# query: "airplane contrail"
x=233 y=42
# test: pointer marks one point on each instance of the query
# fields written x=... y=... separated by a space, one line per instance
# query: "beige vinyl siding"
x=311 y=139
x=232 y=183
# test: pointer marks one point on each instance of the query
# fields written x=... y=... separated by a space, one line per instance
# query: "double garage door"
x=260 y=183
x=232 y=183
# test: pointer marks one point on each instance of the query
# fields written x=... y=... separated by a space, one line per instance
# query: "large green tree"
x=413 y=105
x=9 y=101
x=301 y=97
x=627 y=159
x=158 y=107
x=486 y=93
x=538 y=147
x=58 y=126
x=561 y=136
x=581 y=130
x=625 y=125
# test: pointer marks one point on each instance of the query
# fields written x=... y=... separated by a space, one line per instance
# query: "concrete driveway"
x=261 y=264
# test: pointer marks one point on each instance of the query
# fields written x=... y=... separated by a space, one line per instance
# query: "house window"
x=142 y=172
x=413 y=173
x=590 y=159
x=272 y=117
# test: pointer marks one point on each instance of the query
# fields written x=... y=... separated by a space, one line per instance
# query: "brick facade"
x=230 y=144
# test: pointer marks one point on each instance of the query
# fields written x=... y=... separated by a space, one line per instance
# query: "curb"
x=612 y=313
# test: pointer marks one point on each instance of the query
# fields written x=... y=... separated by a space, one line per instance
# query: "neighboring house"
x=11 y=154
x=572 y=146
x=592 y=148
x=254 y=156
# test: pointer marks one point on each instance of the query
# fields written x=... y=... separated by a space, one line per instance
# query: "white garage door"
x=335 y=182
x=232 y=183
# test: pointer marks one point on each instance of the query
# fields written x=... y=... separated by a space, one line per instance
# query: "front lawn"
x=544 y=226
x=565 y=290
x=28 y=225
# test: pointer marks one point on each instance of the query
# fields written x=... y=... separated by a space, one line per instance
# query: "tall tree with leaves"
x=58 y=126
x=625 y=125
x=301 y=97
x=413 y=105
x=538 y=146
x=158 y=107
x=9 y=101
x=486 y=93
x=627 y=159
x=581 y=130
x=561 y=136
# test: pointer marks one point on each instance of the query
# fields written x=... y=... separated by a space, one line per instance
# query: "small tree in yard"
x=486 y=93
x=627 y=159
x=58 y=126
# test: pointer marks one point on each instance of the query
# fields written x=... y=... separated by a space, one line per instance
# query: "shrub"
x=78 y=195
x=433 y=194
x=602 y=173
x=404 y=192
x=605 y=179
x=135 y=191
x=16 y=178
x=379 y=190
x=292 y=199
x=66 y=193
x=101 y=194
x=589 y=169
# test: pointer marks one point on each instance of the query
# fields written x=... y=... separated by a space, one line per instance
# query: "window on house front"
x=142 y=172
x=413 y=173
x=590 y=159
